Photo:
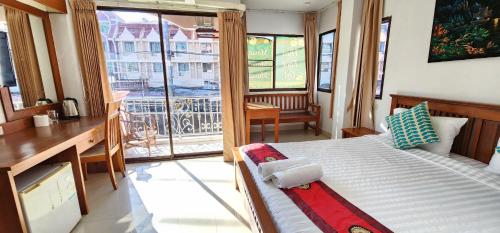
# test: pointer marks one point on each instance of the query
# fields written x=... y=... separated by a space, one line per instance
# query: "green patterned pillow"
x=412 y=128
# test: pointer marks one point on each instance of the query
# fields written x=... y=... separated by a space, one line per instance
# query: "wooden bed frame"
x=477 y=140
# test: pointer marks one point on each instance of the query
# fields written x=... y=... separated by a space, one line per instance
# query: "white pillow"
x=495 y=161
x=447 y=128
x=399 y=110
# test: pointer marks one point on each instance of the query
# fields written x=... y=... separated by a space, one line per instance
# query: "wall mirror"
x=30 y=81
x=25 y=62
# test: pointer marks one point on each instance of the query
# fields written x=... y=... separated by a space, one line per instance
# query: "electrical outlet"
x=1 y=130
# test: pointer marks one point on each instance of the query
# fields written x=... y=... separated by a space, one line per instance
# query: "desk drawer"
x=92 y=138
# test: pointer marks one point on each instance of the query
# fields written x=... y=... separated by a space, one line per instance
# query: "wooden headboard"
x=478 y=138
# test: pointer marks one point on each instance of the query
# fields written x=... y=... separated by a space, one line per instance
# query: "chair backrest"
x=285 y=101
x=112 y=127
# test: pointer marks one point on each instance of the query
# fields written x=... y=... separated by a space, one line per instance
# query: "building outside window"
x=157 y=67
x=133 y=67
x=183 y=68
x=207 y=67
x=128 y=47
x=206 y=47
x=155 y=47
x=181 y=47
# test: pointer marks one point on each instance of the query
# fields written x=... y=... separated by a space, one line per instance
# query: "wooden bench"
x=294 y=107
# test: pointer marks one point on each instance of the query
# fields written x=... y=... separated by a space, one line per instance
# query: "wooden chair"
x=139 y=129
x=111 y=147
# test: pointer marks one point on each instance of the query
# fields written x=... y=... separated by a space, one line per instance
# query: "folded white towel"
x=268 y=168
x=297 y=176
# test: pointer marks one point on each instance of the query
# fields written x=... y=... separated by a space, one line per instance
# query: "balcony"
x=196 y=125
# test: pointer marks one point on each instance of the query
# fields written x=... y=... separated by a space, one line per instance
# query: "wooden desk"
x=262 y=111
x=25 y=149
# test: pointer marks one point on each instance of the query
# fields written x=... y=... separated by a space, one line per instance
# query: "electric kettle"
x=70 y=108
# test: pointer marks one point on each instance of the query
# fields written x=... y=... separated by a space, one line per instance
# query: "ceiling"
x=287 y=5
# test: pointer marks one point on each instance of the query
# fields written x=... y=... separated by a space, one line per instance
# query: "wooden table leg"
x=262 y=130
x=247 y=129
x=12 y=219
x=276 y=129
x=71 y=155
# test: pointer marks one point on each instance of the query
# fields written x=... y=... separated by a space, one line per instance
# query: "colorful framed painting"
x=465 y=29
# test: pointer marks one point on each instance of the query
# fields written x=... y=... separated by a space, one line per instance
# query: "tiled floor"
x=186 y=145
x=183 y=196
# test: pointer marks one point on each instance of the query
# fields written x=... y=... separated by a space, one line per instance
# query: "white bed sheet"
x=407 y=191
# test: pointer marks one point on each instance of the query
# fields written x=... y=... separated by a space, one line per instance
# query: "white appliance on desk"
x=48 y=198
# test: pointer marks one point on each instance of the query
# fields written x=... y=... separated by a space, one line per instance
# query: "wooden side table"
x=262 y=111
x=357 y=132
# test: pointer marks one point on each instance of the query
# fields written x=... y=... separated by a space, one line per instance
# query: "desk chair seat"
x=96 y=151
x=109 y=150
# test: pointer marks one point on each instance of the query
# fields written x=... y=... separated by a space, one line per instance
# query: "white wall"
x=275 y=22
x=350 y=29
x=407 y=70
x=327 y=22
x=67 y=57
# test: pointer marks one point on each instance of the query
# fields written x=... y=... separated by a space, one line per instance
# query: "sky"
x=131 y=17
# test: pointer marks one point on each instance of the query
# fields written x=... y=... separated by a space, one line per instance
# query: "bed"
x=407 y=191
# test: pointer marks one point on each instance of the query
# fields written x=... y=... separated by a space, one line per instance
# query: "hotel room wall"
x=350 y=24
x=275 y=22
x=407 y=69
x=67 y=57
x=327 y=22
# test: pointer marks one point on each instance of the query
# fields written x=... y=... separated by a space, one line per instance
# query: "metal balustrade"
x=190 y=116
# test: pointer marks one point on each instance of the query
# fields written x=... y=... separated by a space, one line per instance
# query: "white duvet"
x=407 y=191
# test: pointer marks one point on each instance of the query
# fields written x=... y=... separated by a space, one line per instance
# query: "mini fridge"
x=48 y=198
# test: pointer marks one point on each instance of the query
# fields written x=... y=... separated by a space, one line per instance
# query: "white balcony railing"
x=190 y=116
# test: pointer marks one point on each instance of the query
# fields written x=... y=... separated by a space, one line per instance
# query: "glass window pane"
x=384 y=34
x=290 y=62
x=325 y=61
x=260 y=74
x=260 y=62
x=135 y=71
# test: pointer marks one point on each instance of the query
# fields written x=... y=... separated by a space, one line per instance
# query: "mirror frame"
x=10 y=113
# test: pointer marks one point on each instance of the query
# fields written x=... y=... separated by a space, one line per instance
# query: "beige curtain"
x=233 y=71
x=91 y=52
x=29 y=79
x=311 y=46
x=363 y=99
x=333 y=82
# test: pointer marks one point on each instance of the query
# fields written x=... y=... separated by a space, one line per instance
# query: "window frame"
x=318 y=88
x=387 y=19
x=154 y=51
x=125 y=43
x=274 y=89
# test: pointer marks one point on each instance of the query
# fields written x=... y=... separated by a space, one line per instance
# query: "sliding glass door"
x=192 y=61
x=165 y=69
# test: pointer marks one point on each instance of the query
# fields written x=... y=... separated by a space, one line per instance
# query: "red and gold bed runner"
x=329 y=211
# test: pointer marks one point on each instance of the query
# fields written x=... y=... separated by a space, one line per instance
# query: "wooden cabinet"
x=357 y=132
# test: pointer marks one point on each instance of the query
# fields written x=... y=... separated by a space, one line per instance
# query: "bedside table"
x=357 y=132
